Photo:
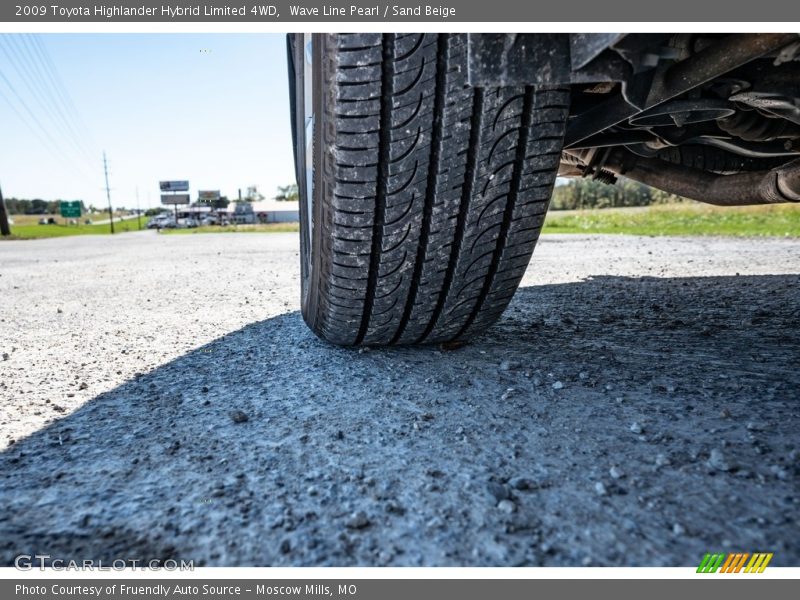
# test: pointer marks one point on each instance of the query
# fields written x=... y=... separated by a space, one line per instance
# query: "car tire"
x=422 y=197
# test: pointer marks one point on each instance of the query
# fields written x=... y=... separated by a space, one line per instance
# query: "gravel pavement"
x=637 y=404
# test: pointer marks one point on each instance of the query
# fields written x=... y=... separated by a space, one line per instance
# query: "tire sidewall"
x=310 y=224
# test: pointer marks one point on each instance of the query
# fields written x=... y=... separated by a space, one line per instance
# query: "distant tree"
x=287 y=192
x=38 y=207
x=223 y=202
x=587 y=193
x=253 y=195
x=17 y=206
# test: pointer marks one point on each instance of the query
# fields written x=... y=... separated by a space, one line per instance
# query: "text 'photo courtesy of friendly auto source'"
x=372 y=367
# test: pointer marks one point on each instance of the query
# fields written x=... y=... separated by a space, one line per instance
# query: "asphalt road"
x=160 y=397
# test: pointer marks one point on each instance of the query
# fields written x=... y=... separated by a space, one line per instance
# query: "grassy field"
x=779 y=220
x=34 y=219
x=26 y=227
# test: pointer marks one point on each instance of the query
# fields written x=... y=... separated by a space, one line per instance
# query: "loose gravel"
x=637 y=404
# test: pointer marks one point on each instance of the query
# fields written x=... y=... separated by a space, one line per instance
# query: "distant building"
x=274 y=211
x=195 y=211
x=244 y=213
x=241 y=213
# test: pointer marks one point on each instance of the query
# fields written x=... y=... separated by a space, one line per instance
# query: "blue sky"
x=210 y=108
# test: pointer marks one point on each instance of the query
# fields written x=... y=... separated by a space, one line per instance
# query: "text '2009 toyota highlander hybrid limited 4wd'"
x=425 y=162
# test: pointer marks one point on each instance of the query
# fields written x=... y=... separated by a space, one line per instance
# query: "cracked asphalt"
x=637 y=404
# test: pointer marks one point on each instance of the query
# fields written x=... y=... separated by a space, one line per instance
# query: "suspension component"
x=781 y=184
x=752 y=126
x=716 y=160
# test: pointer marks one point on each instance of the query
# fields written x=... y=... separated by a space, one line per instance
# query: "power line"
x=108 y=193
x=62 y=90
x=30 y=75
x=53 y=146
x=4 y=227
x=52 y=94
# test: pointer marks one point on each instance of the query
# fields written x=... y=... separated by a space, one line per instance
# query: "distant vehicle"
x=42 y=221
x=213 y=220
x=191 y=223
x=161 y=222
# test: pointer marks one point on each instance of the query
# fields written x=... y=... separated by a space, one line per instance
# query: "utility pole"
x=138 y=210
x=4 y=228
x=108 y=193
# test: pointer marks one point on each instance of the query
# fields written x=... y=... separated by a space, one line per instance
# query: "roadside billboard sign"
x=174 y=186
x=208 y=195
x=174 y=198
x=70 y=210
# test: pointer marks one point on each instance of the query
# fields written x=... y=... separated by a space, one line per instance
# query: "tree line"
x=587 y=193
x=37 y=206
x=576 y=194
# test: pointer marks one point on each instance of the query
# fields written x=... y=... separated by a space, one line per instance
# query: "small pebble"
x=779 y=472
x=506 y=506
x=636 y=428
x=239 y=417
x=358 y=520
x=500 y=492
x=522 y=484
x=716 y=461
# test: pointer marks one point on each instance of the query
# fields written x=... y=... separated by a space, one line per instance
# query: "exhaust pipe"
x=778 y=185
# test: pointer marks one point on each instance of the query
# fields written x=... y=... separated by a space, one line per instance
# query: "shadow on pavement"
x=610 y=422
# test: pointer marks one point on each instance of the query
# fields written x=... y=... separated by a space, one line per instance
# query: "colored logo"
x=735 y=562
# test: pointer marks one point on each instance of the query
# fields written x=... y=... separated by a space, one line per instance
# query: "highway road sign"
x=70 y=210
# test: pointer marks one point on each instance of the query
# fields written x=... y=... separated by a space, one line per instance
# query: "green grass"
x=779 y=220
x=33 y=231
x=34 y=219
x=260 y=228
